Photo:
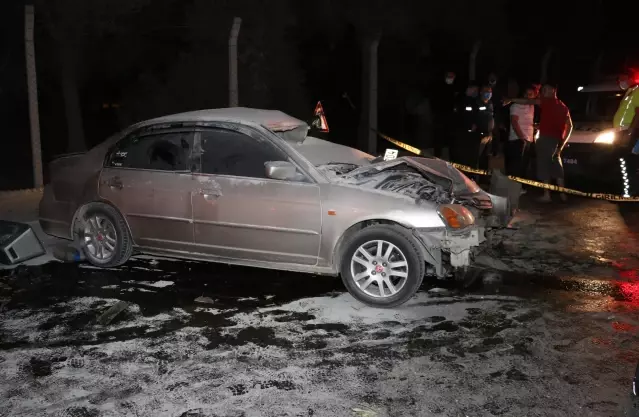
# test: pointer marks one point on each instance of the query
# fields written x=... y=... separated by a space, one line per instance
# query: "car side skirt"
x=309 y=269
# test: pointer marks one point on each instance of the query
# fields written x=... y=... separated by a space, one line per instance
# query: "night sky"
x=153 y=57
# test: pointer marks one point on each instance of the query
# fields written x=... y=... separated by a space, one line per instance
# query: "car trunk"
x=69 y=173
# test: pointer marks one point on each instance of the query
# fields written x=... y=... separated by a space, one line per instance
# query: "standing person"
x=418 y=109
x=555 y=127
x=504 y=110
x=627 y=116
x=520 y=137
x=465 y=118
x=485 y=126
x=445 y=96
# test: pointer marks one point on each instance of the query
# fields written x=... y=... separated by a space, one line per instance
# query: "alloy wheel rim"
x=100 y=238
x=379 y=269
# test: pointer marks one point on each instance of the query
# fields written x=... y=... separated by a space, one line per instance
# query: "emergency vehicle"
x=598 y=157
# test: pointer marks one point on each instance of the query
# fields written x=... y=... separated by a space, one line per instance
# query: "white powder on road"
x=155 y=284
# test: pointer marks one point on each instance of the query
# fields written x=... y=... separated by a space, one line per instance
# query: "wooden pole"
x=372 y=95
x=543 y=78
x=32 y=88
x=472 y=62
x=233 y=84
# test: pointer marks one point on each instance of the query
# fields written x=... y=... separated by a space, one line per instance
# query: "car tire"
x=407 y=248
x=113 y=232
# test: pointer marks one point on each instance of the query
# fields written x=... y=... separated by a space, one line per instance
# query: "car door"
x=147 y=176
x=239 y=213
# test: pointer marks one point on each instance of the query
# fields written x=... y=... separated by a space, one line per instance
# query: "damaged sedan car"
x=250 y=187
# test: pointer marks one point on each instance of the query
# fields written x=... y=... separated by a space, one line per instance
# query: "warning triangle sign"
x=320 y=118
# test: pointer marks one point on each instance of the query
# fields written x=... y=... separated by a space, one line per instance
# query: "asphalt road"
x=557 y=336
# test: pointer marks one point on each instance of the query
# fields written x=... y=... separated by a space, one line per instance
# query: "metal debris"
x=108 y=316
x=204 y=300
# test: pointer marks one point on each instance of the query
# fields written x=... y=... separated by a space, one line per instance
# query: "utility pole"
x=373 y=47
x=472 y=62
x=233 y=85
x=32 y=88
x=544 y=66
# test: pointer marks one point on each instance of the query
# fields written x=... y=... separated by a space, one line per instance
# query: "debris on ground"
x=68 y=253
x=204 y=300
x=439 y=292
x=111 y=313
x=360 y=412
x=491 y=262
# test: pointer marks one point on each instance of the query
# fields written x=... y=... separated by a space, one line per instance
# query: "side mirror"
x=281 y=170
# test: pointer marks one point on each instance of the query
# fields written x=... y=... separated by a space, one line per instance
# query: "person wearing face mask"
x=485 y=126
x=627 y=116
x=520 y=137
x=465 y=121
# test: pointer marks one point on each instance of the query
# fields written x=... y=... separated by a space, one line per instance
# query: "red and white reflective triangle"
x=319 y=112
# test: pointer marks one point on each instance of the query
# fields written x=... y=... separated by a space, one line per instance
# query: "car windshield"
x=321 y=152
x=597 y=106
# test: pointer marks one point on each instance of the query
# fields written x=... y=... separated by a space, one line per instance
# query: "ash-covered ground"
x=557 y=336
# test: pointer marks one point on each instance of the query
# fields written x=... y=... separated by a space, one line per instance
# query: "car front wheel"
x=382 y=266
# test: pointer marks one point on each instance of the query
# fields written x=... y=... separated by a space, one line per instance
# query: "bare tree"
x=73 y=26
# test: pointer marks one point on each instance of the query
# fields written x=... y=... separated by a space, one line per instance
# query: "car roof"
x=274 y=120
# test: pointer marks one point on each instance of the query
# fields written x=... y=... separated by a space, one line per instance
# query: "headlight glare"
x=606 y=137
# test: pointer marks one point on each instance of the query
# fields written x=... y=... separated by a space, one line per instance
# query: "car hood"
x=408 y=169
x=427 y=179
x=587 y=132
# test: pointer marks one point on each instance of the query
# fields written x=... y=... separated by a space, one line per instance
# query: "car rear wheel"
x=382 y=266
x=106 y=240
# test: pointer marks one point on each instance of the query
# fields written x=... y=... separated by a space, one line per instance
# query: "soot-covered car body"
x=248 y=187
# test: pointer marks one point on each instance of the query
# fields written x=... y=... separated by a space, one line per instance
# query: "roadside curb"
x=12 y=193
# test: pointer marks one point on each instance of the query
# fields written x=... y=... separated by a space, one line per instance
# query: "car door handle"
x=210 y=194
x=210 y=197
x=115 y=182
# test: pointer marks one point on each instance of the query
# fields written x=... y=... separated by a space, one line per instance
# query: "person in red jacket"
x=555 y=127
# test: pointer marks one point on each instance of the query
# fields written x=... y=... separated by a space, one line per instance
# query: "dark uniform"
x=446 y=96
x=485 y=125
x=464 y=149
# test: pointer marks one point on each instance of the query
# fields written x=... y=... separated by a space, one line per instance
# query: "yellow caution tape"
x=402 y=145
x=598 y=196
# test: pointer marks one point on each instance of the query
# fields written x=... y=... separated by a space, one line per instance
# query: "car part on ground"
x=18 y=243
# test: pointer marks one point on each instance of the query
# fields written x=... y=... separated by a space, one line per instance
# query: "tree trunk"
x=545 y=62
x=364 y=96
x=472 y=62
x=233 y=86
x=71 y=97
x=32 y=88
x=368 y=107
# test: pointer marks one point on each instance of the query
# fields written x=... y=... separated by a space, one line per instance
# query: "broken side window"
x=163 y=152
x=229 y=152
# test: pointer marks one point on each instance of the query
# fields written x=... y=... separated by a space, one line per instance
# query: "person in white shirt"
x=521 y=136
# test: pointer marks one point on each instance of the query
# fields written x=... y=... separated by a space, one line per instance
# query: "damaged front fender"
x=445 y=250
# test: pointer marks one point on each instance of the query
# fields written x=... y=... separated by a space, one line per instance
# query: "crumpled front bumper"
x=446 y=250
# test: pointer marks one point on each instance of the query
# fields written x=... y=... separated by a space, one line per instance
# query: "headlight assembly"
x=456 y=216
